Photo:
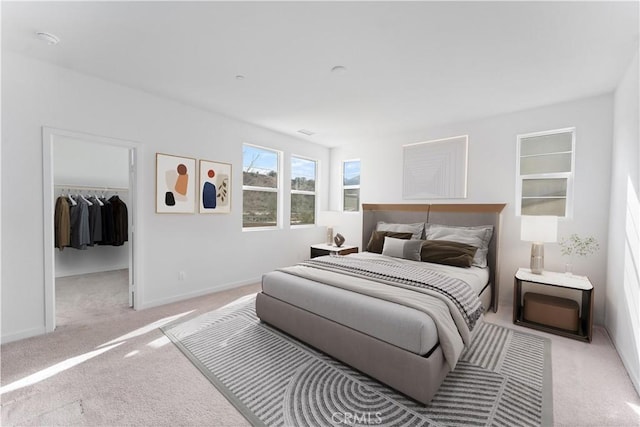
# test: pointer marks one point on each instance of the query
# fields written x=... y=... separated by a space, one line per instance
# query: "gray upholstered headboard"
x=447 y=214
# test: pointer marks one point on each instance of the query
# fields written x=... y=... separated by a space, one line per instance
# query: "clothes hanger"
x=73 y=202
x=85 y=199
x=97 y=199
x=94 y=200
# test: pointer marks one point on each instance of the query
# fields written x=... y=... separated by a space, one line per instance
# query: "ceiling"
x=409 y=65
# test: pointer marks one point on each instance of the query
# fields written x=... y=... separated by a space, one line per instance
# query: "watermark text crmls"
x=356 y=419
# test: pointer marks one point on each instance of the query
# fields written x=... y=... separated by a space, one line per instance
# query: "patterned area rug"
x=503 y=378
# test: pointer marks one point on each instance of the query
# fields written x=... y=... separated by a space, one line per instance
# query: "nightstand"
x=559 y=280
x=323 y=249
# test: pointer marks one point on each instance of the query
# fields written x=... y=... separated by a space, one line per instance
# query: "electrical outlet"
x=181 y=275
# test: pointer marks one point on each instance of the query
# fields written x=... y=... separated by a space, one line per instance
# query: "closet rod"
x=92 y=188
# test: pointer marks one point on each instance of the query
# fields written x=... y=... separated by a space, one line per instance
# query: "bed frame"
x=419 y=377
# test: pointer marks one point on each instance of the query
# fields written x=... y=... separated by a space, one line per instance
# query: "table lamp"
x=538 y=229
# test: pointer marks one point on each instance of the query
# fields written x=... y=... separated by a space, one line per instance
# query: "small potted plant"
x=576 y=245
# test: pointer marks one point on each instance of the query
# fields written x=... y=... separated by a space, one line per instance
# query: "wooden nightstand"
x=560 y=280
x=323 y=249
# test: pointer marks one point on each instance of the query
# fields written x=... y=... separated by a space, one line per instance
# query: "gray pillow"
x=376 y=242
x=478 y=236
x=415 y=229
x=400 y=248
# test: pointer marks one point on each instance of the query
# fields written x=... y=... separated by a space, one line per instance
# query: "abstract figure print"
x=175 y=184
x=215 y=187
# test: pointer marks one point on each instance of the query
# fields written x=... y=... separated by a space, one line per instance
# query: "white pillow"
x=415 y=229
x=478 y=236
x=401 y=248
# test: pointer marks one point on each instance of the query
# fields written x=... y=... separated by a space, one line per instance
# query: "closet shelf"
x=90 y=188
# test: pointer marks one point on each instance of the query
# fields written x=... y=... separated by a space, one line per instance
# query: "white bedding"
x=396 y=324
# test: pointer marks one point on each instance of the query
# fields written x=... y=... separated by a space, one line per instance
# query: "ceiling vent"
x=306 y=132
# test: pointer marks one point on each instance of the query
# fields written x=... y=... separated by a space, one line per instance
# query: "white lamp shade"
x=539 y=228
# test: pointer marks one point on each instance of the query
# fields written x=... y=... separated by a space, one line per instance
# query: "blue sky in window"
x=352 y=172
x=303 y=168
x=259 y=160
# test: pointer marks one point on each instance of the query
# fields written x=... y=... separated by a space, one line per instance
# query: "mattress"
x=396 y=324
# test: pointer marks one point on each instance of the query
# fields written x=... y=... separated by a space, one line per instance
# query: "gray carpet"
x=504 y=378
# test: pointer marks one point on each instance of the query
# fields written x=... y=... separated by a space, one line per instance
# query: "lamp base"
x=537 y=258
x=330 y=236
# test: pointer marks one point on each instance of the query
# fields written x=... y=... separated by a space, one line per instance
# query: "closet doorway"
x=90 y=183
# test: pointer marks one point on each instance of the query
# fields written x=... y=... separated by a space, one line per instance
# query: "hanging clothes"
x=79 y=220
x=121 y=221
x=82 y=221
x=95 y=221
x=61 y=223
x=108 y=226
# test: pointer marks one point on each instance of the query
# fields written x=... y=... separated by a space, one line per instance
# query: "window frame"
x=569 y=176
x=350 y=187
x=277 y=189
x=313 y=193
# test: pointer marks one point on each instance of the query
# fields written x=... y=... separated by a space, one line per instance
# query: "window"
x=303 y=191
x=351 y=185
x=545 y=173
x=260 y=186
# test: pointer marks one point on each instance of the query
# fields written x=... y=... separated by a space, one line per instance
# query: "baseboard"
x=635 y=380
x=155 y=303
x=27 y=333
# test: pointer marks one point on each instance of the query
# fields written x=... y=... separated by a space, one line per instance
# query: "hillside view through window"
x=351 y=186
x=260 y=186
x=303 y=191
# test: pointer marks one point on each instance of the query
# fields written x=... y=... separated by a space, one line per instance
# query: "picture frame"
x=215 y=187
x=435 y=169
x=175 y=184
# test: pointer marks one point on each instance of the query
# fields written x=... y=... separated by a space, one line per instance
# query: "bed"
x=400 y=334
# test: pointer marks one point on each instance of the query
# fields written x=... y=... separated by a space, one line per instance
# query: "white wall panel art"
x=435 y=169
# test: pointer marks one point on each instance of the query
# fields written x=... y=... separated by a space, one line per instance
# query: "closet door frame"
x=49 y=136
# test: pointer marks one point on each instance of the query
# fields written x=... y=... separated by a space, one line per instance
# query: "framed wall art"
x=215 y=187
x=435 y=169
x=175 y=184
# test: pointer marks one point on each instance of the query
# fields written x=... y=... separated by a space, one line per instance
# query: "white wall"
x=211 y=249
x=623 y=278
x=492 y=179
x=88 y=164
